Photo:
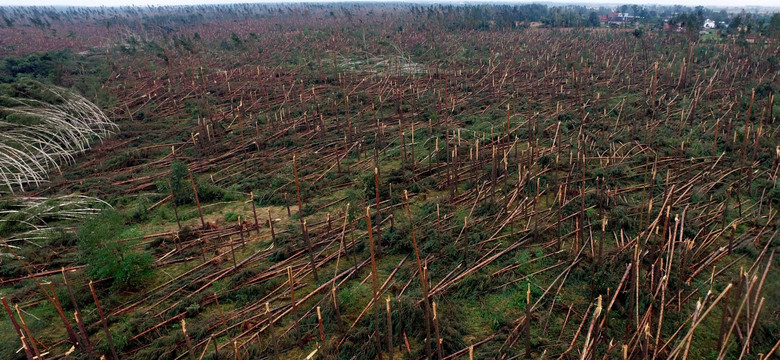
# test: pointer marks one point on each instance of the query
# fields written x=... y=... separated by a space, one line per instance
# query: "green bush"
x=43 y=66
x=180 y=184
x=207 y=192
x=231 y=216
x=107 y=256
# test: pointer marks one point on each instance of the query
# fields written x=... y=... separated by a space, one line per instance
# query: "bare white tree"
x=51 y=134
x=38 y=136
x=28 y=218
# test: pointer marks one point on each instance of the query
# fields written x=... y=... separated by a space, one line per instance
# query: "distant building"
x=616 y=19
x=679 y=27
x=709 y=24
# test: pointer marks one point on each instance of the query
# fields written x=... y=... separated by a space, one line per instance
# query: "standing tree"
x=774 y=26
x=593 y=19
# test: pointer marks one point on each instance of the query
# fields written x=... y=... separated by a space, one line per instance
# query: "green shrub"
x=208 y=192
x=182 y=190
x=107 y=256
x=231 y=216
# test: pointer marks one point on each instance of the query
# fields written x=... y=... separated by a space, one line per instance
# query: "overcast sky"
x=711 y=3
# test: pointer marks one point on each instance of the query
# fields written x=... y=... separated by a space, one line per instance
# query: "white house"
x=709 y=24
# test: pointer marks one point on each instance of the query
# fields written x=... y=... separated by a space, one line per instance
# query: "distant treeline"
x=451 y=17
